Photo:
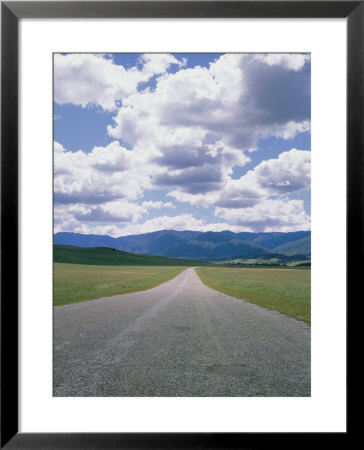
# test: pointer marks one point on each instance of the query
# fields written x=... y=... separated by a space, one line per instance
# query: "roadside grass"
x=281 y=289
x=75 y=283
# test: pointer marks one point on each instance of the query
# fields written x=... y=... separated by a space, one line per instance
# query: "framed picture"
x=122 y=121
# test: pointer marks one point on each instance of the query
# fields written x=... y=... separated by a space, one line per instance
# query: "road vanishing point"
x=179 y=339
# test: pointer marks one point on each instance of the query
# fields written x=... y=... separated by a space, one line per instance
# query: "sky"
x=206 y=142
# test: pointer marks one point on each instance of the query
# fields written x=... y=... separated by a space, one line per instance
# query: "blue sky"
x=144 y=142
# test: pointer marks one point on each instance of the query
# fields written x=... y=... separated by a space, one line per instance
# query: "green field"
x=281 y=289
x=75 y=283
x=82 y=273
x=105 y=256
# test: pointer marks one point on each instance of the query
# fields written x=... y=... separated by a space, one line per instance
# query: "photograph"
x=176 y=268
x=182 y=224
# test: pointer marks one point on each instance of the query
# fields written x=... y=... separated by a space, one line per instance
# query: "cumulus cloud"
x=71 y=217
x=292 y=61
x=115 y=211
x=237 y=100
x=157 y=205
x=268 y=215
x=189 y=156
x=105 y=174
x=185 y=136
x=244 y=203
x=199 y=122
x=95 y=80
x=194 y=180
x=178 y=222
x=157 y=63
x=72 y=225
x=290 y=172
x=88 y=79
x=194 y=169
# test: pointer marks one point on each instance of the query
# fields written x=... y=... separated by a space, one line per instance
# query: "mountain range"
x=208 y=246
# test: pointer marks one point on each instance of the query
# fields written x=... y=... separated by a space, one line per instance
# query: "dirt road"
x=178 y=339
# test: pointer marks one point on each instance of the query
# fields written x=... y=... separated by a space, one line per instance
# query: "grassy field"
x=281 y=289
x=101 y=256
x=77 y=283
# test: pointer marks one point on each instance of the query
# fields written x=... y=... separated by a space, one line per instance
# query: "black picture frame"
x=11 y=12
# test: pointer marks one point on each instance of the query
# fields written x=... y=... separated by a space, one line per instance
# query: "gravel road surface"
x=178 y=339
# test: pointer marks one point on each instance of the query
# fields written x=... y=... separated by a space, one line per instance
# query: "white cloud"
x=83 y=217
x=105 y=174
x=198 y=122
x=157 y=205
x=90 y=79
x=290 y=172
x=245 y=203
x=238 y=100
x=157 y=63
x=178 y=222
x=268 y=215
x=293 y=61
x=72 y=225
x=115 y=211
x=186 y=137
x=205 y=200
x=291 y=129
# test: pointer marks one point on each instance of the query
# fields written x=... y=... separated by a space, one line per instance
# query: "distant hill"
x=301 y=246
x=271 y=241
x=148 y=243
x=105 y=256
x=209 y=246
x=212 y=250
